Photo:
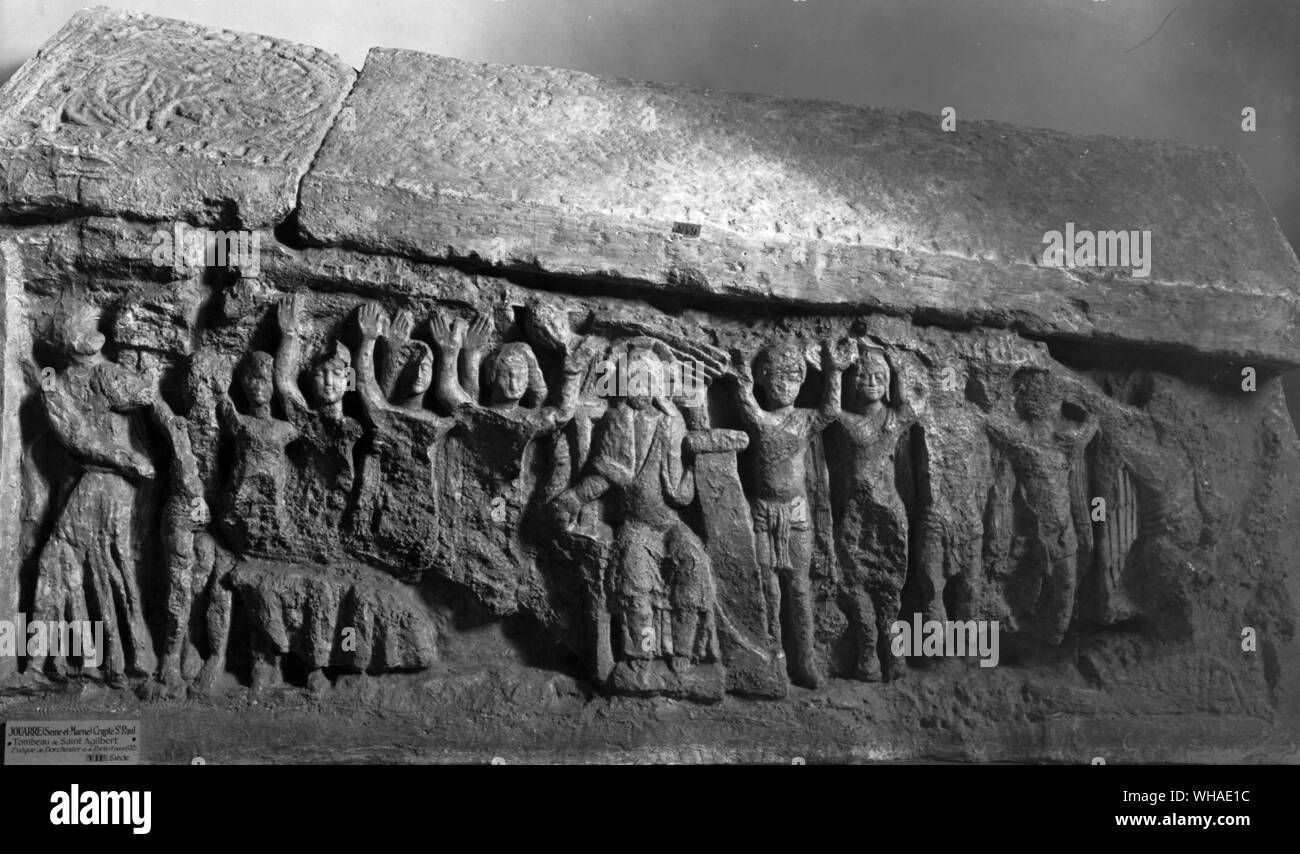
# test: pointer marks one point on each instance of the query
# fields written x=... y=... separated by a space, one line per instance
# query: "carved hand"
x=371 y=321
x=399 y=331
x=838 y=355
x=478 y=335
x=446 y=334
x=288 y=311
x=581 y=356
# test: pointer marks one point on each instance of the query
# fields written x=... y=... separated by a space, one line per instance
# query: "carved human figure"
x=779 y=438
x=187 y=548
x=88 y=406
x=871 y=538
x=661 y=585
x=326 y=478
x=253 y=517
x=499 y=433
x=1041 y=445
x=398 y=507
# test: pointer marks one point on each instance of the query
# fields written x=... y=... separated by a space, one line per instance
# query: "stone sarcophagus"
x=450 y=410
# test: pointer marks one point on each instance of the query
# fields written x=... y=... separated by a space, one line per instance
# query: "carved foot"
x=317 y=683
x=206 y=682
x=805 y=675
x=170 y=675
x=868 y=670
x=266 y=675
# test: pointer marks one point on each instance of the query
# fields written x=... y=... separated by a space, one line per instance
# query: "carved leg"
x=179 y=544
x=99 y=560
x=56 y=565
x=642 y=636
x=861 y=611
x=887 y=598
x=216 y=612
x=122 y=576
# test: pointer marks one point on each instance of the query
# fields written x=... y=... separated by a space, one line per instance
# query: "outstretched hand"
x=288 y=312
x=371 y=320
x=447 y=333
x=838 y=355
x=399 y=331
x=479 y=334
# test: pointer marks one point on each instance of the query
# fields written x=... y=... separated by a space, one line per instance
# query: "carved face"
x=644 y=380
x=330 y=380
x=873 y=378
x=510 y=379
x=782 y=374
x=422 y=374
x=257 y=380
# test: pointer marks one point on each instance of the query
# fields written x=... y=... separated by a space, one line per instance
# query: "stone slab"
x=154 y=118
x=803 y=203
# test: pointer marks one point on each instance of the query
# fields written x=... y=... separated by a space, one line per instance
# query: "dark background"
x=1171 y=69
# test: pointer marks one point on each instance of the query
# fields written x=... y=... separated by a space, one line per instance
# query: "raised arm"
x=185 y=466
x=576 y=362
x=478 y=337
x=836 y=359
x=396 y=338
x=288 y=312
x=370 y=323
x=750 y=412
x=447 y=338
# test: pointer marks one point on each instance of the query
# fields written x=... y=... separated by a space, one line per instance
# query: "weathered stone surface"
x=800 y=204
x=153 y=118
x=458 y=510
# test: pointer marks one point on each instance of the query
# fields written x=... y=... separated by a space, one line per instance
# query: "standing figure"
x=661 y=584
x=397 y=511
x=1041 y=447
x=325 y=478
x=253 y=518
x=499 y=434
x=88 y=407
x=779 y=440
x=871 y=540
x=184 y=518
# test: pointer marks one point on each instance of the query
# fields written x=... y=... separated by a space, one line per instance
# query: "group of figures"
x=400 y=460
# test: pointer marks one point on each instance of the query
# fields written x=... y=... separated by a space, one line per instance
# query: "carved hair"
x=536 y=391
x=411 y=354
x=338 y=356
x=256 y=360
x=784 y=355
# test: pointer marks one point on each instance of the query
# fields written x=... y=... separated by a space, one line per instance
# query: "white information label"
x=72 y=743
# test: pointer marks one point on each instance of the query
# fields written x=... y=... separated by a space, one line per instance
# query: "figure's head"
x=644 y=376
x=77 y=331
x=1033 y=392
x=514 y=372
x=780 y=372
x=330 y=379
x=257 y=378
x=417 y=369
x=873 y=375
